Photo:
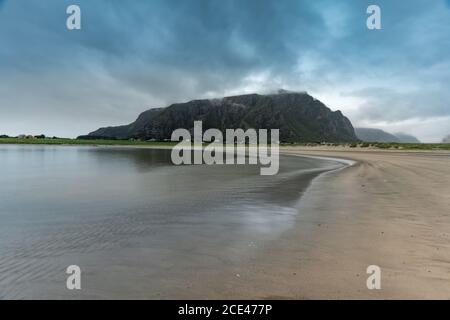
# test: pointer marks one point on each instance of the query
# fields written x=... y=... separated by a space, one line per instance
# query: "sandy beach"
x=389 y=209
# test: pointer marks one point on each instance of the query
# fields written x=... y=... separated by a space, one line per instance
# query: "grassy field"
x=414 y=146
x=66 y=141
x=384 y=145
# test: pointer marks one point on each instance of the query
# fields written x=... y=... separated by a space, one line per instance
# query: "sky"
x=130 y=56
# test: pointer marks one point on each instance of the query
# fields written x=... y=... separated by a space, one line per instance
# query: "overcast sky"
x=130 y=56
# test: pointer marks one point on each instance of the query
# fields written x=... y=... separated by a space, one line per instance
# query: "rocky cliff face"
x=300 y=118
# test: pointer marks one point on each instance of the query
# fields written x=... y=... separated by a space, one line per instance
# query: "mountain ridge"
x=378 y=135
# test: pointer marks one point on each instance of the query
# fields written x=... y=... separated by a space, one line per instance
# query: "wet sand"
x=390 y=209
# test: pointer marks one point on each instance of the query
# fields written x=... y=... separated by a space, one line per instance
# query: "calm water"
x=137 y=226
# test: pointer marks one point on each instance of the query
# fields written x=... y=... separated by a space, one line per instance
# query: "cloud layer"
x=130 y=56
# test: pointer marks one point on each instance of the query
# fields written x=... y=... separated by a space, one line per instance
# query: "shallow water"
x=138 y=226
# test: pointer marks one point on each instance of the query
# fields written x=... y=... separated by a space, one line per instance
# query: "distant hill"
x=446 y=139
x=300 y=118
x=378 y=135
x=406 y=138
x=375 y=135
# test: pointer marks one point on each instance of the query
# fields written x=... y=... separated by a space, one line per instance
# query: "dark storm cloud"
x=130 y=56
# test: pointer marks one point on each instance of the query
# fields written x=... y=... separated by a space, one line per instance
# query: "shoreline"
x=358 y=146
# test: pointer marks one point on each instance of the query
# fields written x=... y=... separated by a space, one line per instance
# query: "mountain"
x=300 y=118
x=375 y=135
x=127 y=131
x=378 y=135
x=406 y=138
x=446 y=139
